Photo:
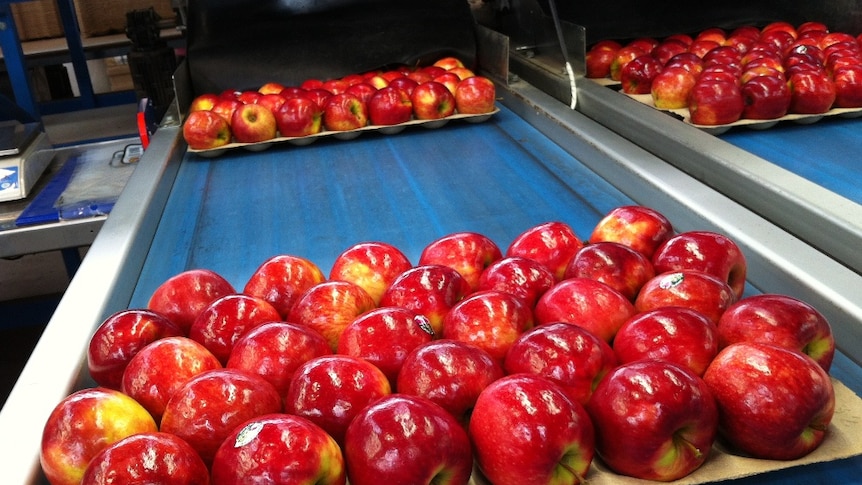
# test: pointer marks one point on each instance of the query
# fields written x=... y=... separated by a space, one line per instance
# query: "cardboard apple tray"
x=685 y=117
x=345 y=135
x=841 y=442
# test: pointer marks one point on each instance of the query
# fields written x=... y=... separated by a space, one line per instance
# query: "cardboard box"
x=37 y=19
x=102 y=17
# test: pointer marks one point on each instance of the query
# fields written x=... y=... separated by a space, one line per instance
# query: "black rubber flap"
x=241 y=44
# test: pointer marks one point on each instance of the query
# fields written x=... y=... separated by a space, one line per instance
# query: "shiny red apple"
x=654 y=420
x=525 y=430
x=567 y=354
x=450 y=373
x=332 y=389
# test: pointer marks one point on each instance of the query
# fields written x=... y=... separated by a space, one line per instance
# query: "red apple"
x=82 y=425
x=491 y=320
x=688 y=61
x=353 y=79
x=227 y=319
x=524 y=278
x=639 y=227
x=183 y=296
x=780 y=25
x=779 y=320
x=670 y=89
x=344 y=112
x=765 y=97
x=614 y=264
x=248 y=96
x=432 y=100
x=278 y=448
x=363 y=90
x=623 y=56
x=794 y=406
x=462 y=72
x=450 y=373
x=406 y=84
x=205 y=130
x=551 y=243
x=448 y=62
x=811 y=26
x=377 y=81
x=707 y=251
x=667 y=49
x=715 y=103
x=678 y=335
x=721 y=72
x=270 y=87
x=722 y=55
x=225 y=107
x=755 y=58
x=203 y=102
x=587 y=303
x=780 y=39
x=636 y=76
x=646 y=44
x=448 y=79
x=715 y=34
x=150 y=457
x=831 y=38
x=209 y=406
x=700 y=47
x=419 y=76
x=683 y=37
x=742 y=42
x=390 y=106
x=654 y=420
x=468 y=253
x=432 y=70
x=119 y=337
x=294 y=91
x=599 y=58
x=755 y=69
x=571 y=356
x=275 y=350
x=162 y=367
x=310 y=84
x=429 y=290
x=423 y=444
x=299 y=116
x=475 y=95
x=335 y=86
x=848 y=86
x=319 y=96
x=281 y=279
x=253 y=123
x=332 y=389
x=330 y=306
x=384 y=337
x=271 y=101
x=372 y=265
x=525 y=430
x=687 y=288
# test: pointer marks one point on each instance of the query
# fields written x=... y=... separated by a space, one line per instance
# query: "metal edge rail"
x=777 y=260
x=103 y=284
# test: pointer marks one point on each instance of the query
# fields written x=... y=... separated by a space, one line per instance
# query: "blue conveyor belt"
x=499 y=177
x=828 y=152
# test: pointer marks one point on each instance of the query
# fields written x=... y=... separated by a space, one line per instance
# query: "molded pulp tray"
x=684 y=115
x=345 y=135
x=841 y=442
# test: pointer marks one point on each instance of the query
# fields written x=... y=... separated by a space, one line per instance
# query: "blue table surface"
x=826 y=152
x=232 y=212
